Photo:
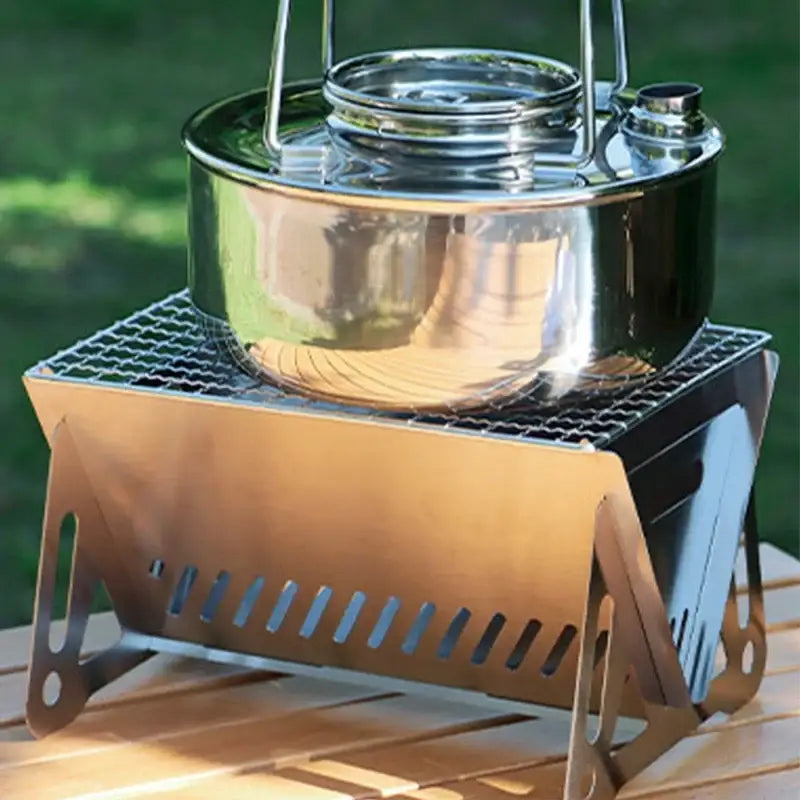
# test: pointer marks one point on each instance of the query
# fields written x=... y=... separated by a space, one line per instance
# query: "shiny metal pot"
x=448 y=228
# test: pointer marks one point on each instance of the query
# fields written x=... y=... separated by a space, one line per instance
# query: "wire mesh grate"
x=165 y=348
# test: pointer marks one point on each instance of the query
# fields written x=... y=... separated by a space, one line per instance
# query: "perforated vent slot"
x=418 y=628
x=700 y=656
x=215 y=596
x=384 y=623
x=681 y=630
x=315 y=612
x=486 y=643
x=453 y=634
x=248 y=602
x=282 y=606
x=350 y=617
x=375 y=636
x=523 y=644
x=156 y=568
x=556 y=656
x=181 y=593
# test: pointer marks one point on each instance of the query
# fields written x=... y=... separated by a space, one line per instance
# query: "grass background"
x=92 y=177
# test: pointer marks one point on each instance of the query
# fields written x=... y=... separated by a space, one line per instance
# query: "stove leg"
x=596 y=770
x=588 y=774
x=59 y=680
x=597 y=767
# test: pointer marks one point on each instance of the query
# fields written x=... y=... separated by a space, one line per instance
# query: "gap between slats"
x=426 y=746
x=407 y=766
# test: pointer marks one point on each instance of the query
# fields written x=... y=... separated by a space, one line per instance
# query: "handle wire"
x=272 y=111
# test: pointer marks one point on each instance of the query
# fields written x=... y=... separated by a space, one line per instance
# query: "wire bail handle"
x=275 y=82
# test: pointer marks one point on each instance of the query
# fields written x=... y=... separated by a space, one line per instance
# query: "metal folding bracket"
x=61 y=680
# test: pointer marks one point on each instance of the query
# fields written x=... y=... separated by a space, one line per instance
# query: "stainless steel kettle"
x=450 y=228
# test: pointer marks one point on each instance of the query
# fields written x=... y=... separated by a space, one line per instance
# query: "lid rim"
x=241 y=112
x=335 y=89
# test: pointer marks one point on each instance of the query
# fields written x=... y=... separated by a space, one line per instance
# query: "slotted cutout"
x=156 y=568
x=426 y=612
x=248 y=603
x=682 y=629
x=707 y=668
x=556 y=655
x=315 y=612
x=182 y=589
x=215 y=596
x=698 y=658
x=453 y=634
x=66 y=555
x=602 y=665
x=384 y=623
x=523 y=644
x=350 y=617
x=486 y=643
x=282 y=606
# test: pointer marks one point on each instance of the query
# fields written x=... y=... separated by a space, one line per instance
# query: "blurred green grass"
x=92 y=176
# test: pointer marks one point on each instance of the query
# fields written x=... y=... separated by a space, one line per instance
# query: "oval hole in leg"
x=67 y=533
x=51 y=689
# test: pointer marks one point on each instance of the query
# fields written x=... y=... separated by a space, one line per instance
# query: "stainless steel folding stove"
x=578 y=557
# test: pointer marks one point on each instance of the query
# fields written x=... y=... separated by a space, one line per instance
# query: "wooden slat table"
x=176 y=728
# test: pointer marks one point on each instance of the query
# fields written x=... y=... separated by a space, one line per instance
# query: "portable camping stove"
x=229 y=520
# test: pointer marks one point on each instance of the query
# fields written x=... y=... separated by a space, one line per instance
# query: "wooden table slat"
x=777 y=568
x=543 y=782
x=782 y=608
x=151 y=721
x=224 y=748
x=163 y=675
